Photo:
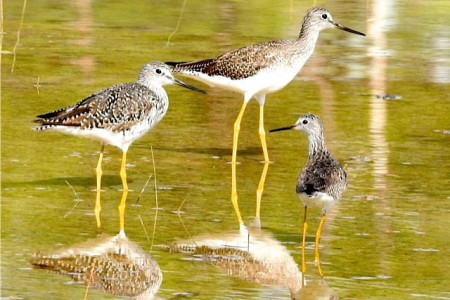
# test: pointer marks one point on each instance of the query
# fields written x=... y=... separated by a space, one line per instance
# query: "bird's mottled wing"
x=320 y=176
x=117 y=108
x=237 y=64
x=311 y=181
x=69 y=110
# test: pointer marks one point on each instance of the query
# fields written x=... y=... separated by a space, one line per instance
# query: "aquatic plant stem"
x=156 y=200
x=18 y=34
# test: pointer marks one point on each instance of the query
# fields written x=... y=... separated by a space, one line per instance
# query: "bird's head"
x=158 y=73
x=319 y=18
x=309 y=123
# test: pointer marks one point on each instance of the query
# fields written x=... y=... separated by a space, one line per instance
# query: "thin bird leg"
x=319 y=231
x=305 y=227
x=234 y=197
x=262 y=133
x=99 y=172
x=123 y=176
x=262 y=136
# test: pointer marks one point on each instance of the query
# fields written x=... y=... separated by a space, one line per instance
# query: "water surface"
x=388 y=237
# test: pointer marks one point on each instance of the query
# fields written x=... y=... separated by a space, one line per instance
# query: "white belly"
x=264 y=82
x=120 y=139
x=321 y=200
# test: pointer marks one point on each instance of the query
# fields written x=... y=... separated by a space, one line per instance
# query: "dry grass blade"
x=178 y=24
x=1 y=34
x=18 y=34
x=143 y=226
x=143 y=188
x=137 y=200
x=156 y=200
x=78 y=200
x=37 y=85
x=182 y=222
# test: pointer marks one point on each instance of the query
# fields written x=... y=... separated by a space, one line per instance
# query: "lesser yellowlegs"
x=322 y=180
x=117 y=115
x=257 y=70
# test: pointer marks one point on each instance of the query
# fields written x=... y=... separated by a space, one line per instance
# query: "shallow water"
x=388 y=237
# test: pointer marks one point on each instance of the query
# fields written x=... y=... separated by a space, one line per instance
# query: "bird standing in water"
x=257 y=70
x=117 y=115
x=321 y=181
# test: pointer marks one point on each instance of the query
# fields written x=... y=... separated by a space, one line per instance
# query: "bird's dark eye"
x=158 y=71
x=305 y=122
x=324 y=16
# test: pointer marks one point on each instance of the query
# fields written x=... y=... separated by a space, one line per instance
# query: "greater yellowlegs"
x=257 y=70
x=322 y=180
x=117 y=115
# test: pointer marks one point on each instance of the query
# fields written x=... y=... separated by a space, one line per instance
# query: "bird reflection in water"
x=254 y=256
x=114 y=265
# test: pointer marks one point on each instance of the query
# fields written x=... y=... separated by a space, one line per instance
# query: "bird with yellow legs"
x=117 y=115
x=258 y=70
x=321 y=181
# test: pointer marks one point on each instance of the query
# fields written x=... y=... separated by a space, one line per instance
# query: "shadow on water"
x=255 y=256
x=394 y=211
x=221 y=152
x=107 y=180
x=112 y=264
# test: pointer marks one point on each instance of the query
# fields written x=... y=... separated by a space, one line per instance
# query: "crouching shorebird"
x=258 y=70
x=117 y=115
x=321 y=181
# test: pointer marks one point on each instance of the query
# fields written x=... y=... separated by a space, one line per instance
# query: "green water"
x=388 y=237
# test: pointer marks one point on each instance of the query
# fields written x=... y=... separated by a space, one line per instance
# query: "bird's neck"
x=308 y=34
x=305 y=44
x=316 y=144
x=155 y=87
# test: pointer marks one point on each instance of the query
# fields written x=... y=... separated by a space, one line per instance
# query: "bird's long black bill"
x=181 y=83
x=339 y=26
x=282 y=128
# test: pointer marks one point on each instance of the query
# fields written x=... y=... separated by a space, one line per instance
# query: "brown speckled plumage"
x=116 y=108
x=322 y=180
x=120 y=114
x=243 y=62
x=322 y=172
x=255 y=71
x=248 y=61
x=117 y=115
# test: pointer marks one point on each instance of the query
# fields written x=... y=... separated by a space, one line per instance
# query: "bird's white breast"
x=318 y=199
x=121 y=139
x=264 y=82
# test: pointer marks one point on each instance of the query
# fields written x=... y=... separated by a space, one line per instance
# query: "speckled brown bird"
x=117 y=115
x=321 y=181
x=258 y=70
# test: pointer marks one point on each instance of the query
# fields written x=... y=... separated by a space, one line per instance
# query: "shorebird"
x=321 y=181
x=117 y=115
x=257 y=70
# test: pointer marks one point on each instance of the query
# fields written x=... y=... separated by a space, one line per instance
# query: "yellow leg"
x=123 y=176
x=234 y=197
x=305 y=227
x=99 y=172
x=319 y=231
x=262 y=136
x=262 y=133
